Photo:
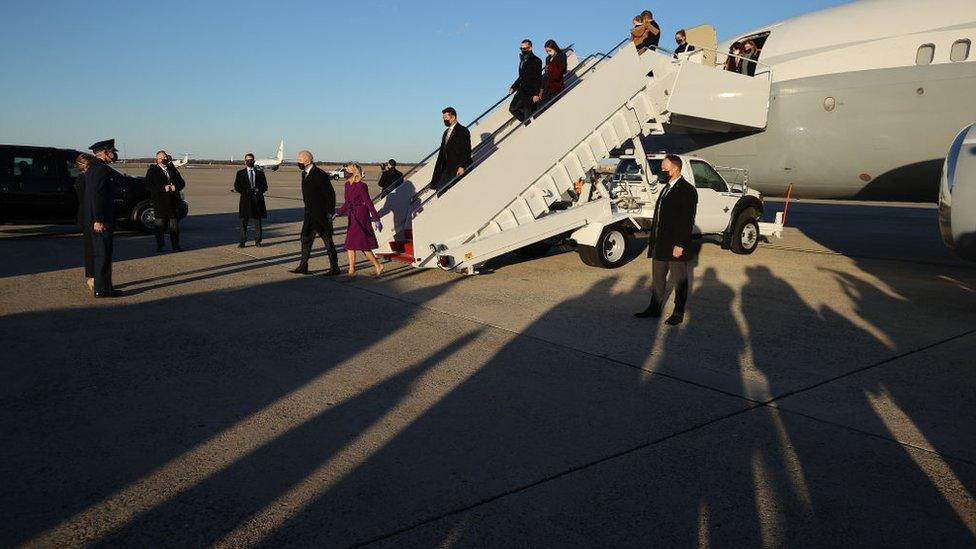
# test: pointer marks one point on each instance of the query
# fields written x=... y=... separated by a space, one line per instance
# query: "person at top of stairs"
x=528 y=86
x=359 y=207
x=653 y=36
x=454 y=156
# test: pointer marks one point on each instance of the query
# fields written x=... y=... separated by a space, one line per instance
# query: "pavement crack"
x=550 y=478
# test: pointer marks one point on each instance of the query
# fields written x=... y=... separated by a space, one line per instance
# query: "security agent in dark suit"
x=100 y=185
x=528 y=86
x=251 y=184
x=670 y=240
x=454 y=156
x=390 y=174
x=165 y=183
x=320 y=207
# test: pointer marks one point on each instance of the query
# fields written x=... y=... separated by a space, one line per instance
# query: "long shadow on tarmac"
x=21 y=245
x=256 y=417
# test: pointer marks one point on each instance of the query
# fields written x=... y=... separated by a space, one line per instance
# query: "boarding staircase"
x=506 y=199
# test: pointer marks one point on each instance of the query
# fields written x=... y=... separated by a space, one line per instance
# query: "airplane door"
x=714 y=203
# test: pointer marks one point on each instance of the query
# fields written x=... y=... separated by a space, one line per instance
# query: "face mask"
x=301 y=166
x=447 y=123
x=249 y=163
x=115 y=156
x=523 y=52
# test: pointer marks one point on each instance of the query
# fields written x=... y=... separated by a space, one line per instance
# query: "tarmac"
x=819 y=394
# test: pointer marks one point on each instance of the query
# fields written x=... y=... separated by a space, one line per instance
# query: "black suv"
x=37 y=186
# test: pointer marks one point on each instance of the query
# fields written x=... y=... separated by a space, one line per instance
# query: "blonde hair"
x=83 y=161
x=359 y=169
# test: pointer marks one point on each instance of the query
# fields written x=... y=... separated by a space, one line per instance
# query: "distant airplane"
x=273 y=163
x=182 y=161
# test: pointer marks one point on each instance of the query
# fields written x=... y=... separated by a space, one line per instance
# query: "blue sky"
x=362 y=80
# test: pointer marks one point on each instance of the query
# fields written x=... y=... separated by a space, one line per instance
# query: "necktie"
x=447 y=134
x=251 y=175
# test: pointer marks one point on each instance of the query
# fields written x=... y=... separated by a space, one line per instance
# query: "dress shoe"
x=650 y=312
x=258 y=244
x=675 y=319
x=331 y=272
x=300 y=270
x=241 y=245
x=110 y=293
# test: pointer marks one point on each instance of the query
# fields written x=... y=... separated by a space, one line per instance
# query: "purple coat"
x=359 y=207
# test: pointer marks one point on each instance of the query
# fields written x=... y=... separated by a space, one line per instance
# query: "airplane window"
x=706 y=177
x=960 y=50
x=925 y=55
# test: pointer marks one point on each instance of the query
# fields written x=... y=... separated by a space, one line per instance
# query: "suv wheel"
x=745 y=233
x=144 y=216
x=610 y=249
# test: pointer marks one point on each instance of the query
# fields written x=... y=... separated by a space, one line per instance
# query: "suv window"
x=28 y=164
x=706 y=177
x=72 y=169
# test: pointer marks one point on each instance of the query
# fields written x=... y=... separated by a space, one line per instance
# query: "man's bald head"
x=305 y=157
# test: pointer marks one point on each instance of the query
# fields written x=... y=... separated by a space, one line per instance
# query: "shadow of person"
x=798 y=473
x=139 y=404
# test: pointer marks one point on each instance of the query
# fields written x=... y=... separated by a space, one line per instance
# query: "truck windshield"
x=628 y=167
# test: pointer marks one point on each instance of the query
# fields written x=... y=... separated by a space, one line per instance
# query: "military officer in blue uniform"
x=101 y=183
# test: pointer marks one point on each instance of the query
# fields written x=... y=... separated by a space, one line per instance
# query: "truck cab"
x=729 y=210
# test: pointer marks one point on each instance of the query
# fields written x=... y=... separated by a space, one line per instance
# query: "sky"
x=357 y=80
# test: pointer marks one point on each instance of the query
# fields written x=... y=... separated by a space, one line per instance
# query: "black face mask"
x=115 y=156
x=447 y=123
x=663 y=177
x=249 y=163
x=166 y=162
x=301 y=166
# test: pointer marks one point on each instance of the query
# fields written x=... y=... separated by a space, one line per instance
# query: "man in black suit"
x=670 y=239
x=390 y=174
x=251 y=184
x=528 y=86
x=320 y=206
x=165 y=183
x=101 y=182
x=454 y=157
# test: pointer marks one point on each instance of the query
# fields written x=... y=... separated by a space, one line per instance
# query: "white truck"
x=728 y=210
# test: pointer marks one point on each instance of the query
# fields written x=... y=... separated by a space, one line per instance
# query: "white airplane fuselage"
x=856 y=111
x=272 y=163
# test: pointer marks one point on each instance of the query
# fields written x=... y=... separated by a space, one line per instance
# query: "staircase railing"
x=602 y=57
x=488 y=111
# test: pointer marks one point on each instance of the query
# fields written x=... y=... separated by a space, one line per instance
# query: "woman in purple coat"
x=359 y=207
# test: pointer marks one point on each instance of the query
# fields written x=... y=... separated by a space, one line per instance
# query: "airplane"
x=865 y=99
x=179 y=163
x=273 y=163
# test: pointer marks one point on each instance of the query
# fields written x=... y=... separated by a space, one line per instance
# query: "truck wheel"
x=144 y=216
x=745 y=233
x=609 y=251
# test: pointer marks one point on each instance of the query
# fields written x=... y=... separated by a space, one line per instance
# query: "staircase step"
x=402 y=247
x=405 y=258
